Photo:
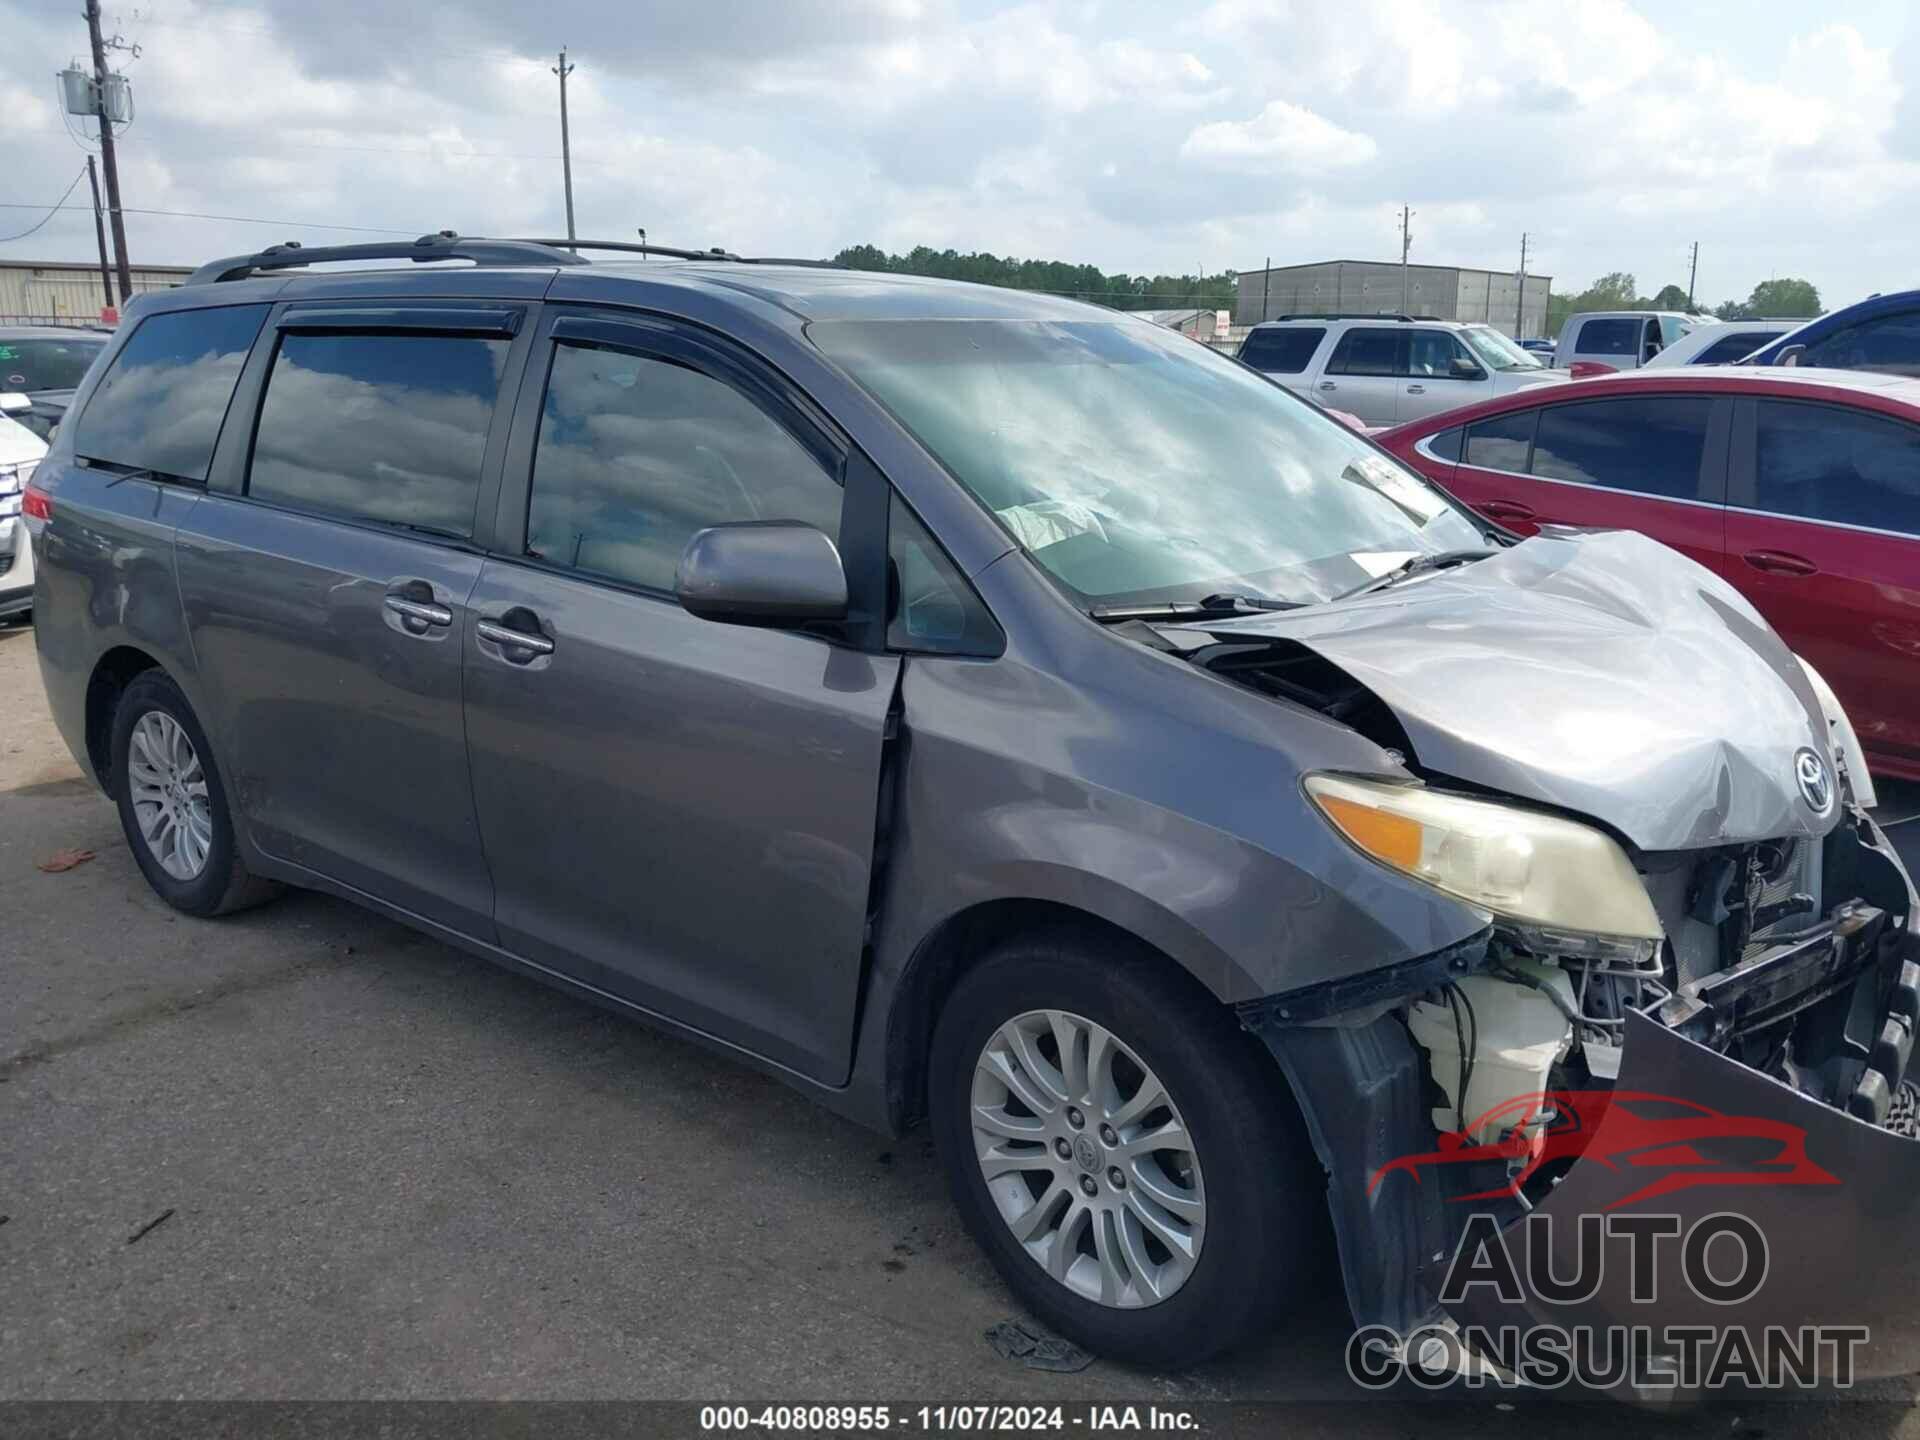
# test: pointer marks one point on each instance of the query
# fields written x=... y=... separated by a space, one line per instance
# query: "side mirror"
x=1464 y=369
x=1791 y=355
x=14 y=403
x=762 y=572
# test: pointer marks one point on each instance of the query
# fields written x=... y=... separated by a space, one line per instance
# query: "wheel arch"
x=960 y=941
x=106 y=683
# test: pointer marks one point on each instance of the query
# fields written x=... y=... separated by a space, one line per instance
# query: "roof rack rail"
x=1355 y=315
x=641 y=248
x=444 y=245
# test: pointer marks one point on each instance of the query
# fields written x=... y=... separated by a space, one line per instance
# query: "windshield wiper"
x=1418 y=565
x=1187 y=609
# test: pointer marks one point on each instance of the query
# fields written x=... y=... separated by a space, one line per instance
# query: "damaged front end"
x=1695 y=998
x=1753 y=1063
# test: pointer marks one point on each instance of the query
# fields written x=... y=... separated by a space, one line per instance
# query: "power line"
x=233 y=219
x=56 y=208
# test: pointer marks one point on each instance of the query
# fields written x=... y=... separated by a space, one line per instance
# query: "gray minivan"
x=984 y=708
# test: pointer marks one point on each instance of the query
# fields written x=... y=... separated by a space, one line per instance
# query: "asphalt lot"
x=395 y=1172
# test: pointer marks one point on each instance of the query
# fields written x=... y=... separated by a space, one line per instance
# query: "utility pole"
x=1406 y=244
x=100 y=235
x=1520 y=302
x=563 y=69
x=1693 y=266
x=107 y=161
x=1266 y=279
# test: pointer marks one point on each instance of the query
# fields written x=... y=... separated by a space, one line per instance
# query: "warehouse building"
x=1372 y=287
x=68 y=292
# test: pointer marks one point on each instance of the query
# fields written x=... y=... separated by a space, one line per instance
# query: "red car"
x=1800 y=487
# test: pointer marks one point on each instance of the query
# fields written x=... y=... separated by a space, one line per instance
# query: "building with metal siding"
x=67 y=292
x=1373 y=287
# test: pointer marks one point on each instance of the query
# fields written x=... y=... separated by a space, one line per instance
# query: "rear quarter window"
x=1281 y=352
x=1501 y=442
x=160 y=405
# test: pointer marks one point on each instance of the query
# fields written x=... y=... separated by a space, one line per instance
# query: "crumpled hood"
x=1595 y=670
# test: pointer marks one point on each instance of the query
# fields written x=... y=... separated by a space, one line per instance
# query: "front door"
x=677 y=811
x=327 y=600
x=1431 y=382
x=1823 y=536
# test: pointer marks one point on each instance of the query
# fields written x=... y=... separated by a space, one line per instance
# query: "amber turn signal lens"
x=1393 y=839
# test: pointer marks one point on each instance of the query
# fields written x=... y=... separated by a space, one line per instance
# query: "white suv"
x=1387 y=369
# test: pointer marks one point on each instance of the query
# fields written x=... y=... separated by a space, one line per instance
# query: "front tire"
x=1125 y=1153
x=173 y=807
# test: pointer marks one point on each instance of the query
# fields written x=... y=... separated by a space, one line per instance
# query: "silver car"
x=984 y=709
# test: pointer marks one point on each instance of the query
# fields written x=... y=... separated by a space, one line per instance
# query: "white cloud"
x=1283 y=139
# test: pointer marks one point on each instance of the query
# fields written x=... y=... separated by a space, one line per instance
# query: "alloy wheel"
x=168 y=786
x=1088 y=1159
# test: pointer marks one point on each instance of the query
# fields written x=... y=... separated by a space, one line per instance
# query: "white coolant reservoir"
x=1521 y=1033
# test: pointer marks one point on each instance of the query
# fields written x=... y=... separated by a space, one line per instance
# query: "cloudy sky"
x=1784 y=137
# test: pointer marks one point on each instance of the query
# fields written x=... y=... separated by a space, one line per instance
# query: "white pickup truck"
x=1389 y=369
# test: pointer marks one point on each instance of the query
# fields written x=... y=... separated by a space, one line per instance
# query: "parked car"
x=1801 y=488
x=20 y=452
x=1724 y=343
x=964 y=703
x=1389 y=369
x=1594 y=342
x=1881 y=333
x=45 y=363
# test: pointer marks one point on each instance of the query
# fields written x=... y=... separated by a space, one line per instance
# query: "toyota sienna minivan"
x=986 y=709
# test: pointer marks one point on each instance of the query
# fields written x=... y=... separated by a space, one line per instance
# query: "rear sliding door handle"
x=1416 y=389
x=1328 y=385
x=419 y=614
x=511 y=640
x=1780 y=562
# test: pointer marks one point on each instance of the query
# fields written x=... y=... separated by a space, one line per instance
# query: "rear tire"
x=172 y=804
x=1157 y=1285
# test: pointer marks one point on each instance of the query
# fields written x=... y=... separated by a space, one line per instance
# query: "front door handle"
x=520 y=645
x=417 y=609
x=1505 y=509
x=1416 y=389
x=1780 y=562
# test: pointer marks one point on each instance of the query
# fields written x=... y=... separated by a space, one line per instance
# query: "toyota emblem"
x=1816 y=786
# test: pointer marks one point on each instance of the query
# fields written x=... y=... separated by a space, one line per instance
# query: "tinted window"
x=1652 y=446
x=930 y=605
x=47 y=364
x=378 y=427
x=1729 y=348
x=1281 y=352
x=637 y=454
x=1890 y=343
x=1618 y=336
x=1822 y=463
x=1365 y=352
x=160 y=405
x=1432 y=353
x=1500 y=442
x=1447 y=443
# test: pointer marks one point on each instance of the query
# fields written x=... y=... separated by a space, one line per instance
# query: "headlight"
x=1535 y=869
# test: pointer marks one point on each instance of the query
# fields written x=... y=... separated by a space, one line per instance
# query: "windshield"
x=1137 y=466
x=46 y=364
x=1497 y=352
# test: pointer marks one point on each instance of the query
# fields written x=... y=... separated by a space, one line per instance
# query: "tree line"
x=1056 y=277
x=1784 y=298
